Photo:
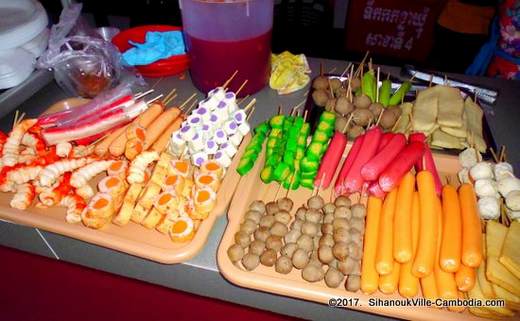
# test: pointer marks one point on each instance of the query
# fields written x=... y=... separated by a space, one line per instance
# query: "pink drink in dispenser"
x=227 y=36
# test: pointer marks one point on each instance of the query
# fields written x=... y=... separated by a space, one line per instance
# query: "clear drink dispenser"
x=227 y=36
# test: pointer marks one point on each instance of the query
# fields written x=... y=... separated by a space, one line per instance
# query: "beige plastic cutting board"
x=133 y=238
x=267 y=279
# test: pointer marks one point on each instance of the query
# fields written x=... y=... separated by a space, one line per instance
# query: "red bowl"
x=161 y=68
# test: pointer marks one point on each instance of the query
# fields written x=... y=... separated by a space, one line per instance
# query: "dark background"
x=298 y=27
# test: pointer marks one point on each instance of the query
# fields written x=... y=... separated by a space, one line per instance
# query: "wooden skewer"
x=154 y=99
x=250 y=104
x=321 y=183
x=363 y=191
x=15 y=120
x=377 y=85
x=360 y=66
x=348 y=122
x=493 y=154
x=142 y=94
x=502 y=153
x=277 y=191
x=241 y=87
x=230 y=79
x=361 y=82
x=396 y=122
x=350 y=78
x=346 y=70
x=251 y=114
x=305 y=115
x=369 y=123
x=380 y=116
x=279 y=109
x=306 y=93
x=20 y=118
x=370 y=66
x=157 y=82
x=193 y=104
x=242 y=100
x=413 y=77
x=330 y=87
x=167 y=98
x=171 y=99
x=431 y=80
x=300 y=104
x=290 y=185
x=187 y=101
x=332 y=70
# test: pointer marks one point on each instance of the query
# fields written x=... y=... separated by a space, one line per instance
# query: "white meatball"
x=489 y=208
x=468 y=158
x=513 y=215
x=464 y=176
x=513 y=200
x=507 y=185
x=503 y=170
x=486 y=187
x=481 y=170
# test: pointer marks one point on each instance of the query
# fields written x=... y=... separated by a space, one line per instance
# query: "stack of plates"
x=23 y=37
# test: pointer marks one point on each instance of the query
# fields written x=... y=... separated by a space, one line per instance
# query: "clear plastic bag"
x=100 y=104
x=84 y=64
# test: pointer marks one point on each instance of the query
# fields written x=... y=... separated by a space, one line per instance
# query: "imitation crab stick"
x=429 y=163
x=384 y=140
x=161 y=143
x=451 y=243
x=117 y=147
x=160 y=125
x=445 y=281
x=403 y=249
x=330 y=160
x=428 y=238
x=369 y=275
x=384 y=256
x=377 y=164
x=409 y=283
x=354 y=181
x=347 y=164
x=404 y=161
x=465 y=278
x=375 y=190
x=471 y=230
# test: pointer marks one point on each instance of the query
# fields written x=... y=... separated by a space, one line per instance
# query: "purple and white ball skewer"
x=229 y=149
x=177 y=143
x=230 y=127
x=196 y=143
x=223 y=159
x=211 y=147
x=239 y=116
x=203 y=113
x=187 y=132
x=244 y=128
x=236 y=139
x=199 y=158
x=220 y=136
